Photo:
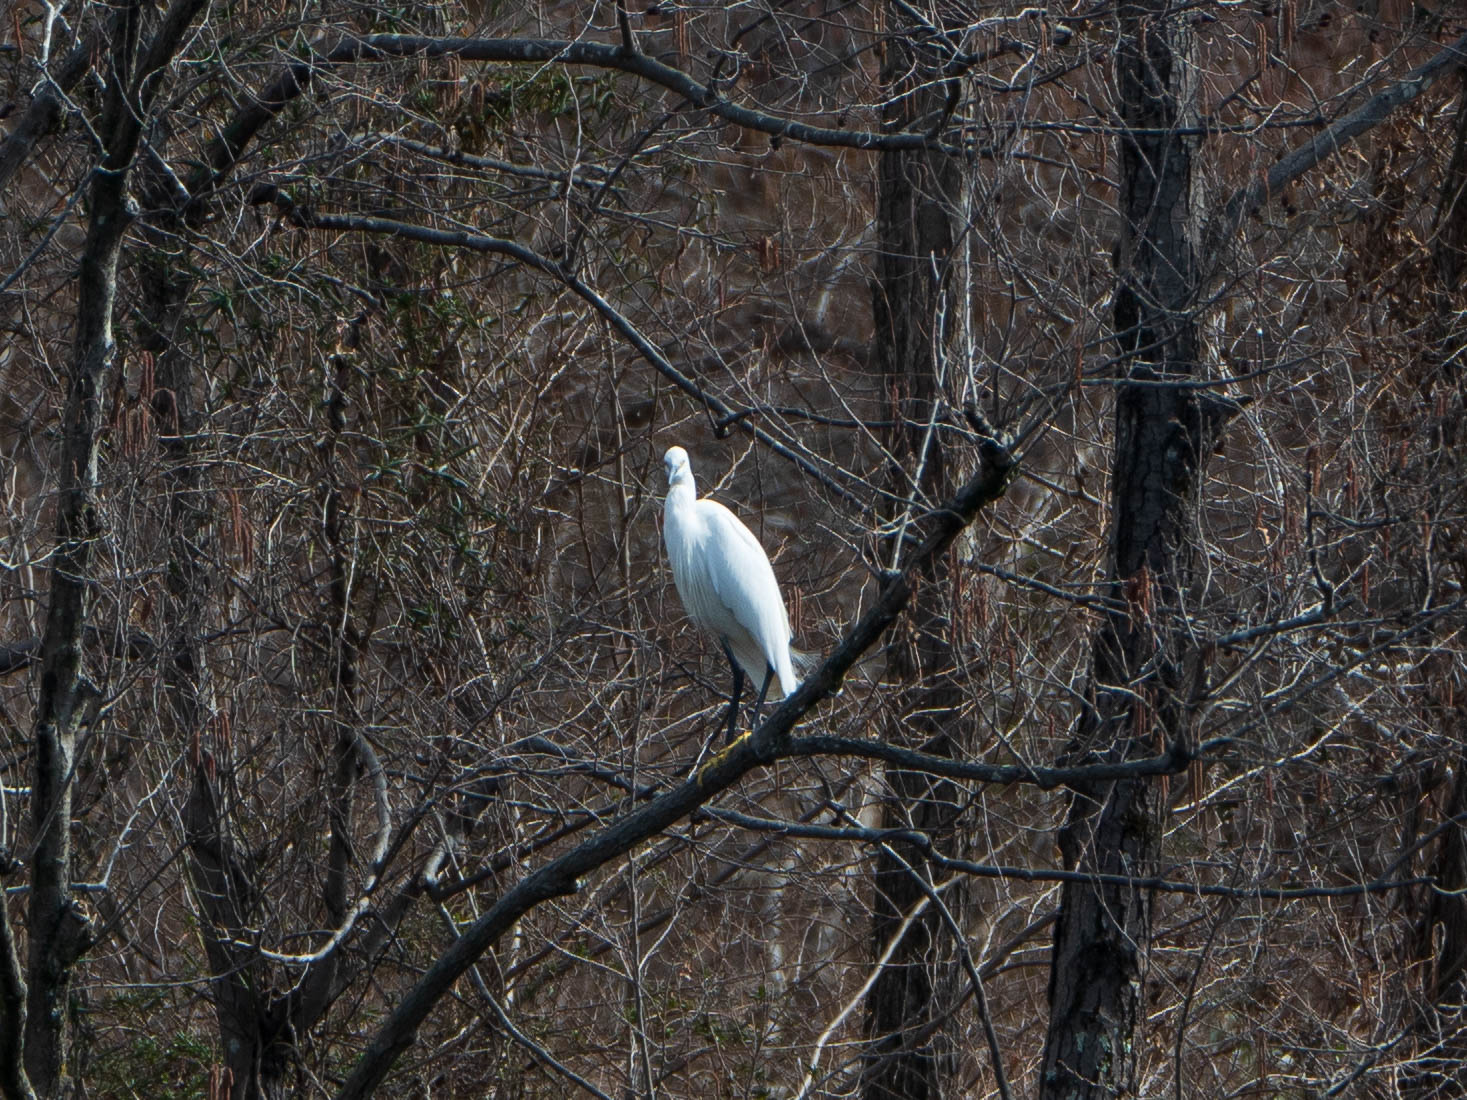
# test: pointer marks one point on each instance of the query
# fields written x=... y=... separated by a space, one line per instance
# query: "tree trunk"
x=257 y=1022
x=919 y=199
x=1139 y=690
x=57 y=929
x=253 y=1037
x=1440 y=943
x=255 y=1059
x=14 y=1084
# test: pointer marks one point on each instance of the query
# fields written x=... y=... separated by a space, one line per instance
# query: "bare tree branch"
x=58 y=930
x=18 y=655
x=1154 y=883
x=1331 y=140
x=293 y=82
x=306 y=218
x=1172 y=762
x=562 y=875
x=44 y=113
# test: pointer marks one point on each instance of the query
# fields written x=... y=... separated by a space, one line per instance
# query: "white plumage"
x=726 y=584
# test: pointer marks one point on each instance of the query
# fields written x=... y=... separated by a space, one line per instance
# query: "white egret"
x=727 y=586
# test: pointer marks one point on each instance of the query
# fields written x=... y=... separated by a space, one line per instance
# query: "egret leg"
x=733 y=712
x=738 y=691
x=763 y=691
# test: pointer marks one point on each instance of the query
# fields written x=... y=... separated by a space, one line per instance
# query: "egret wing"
x=744 y=582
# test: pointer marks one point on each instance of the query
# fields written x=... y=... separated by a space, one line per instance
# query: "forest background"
x=1093 y=375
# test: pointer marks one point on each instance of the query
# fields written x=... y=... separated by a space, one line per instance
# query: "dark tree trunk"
x=1442 y=946
x=256 y=1054
x=14 y=1084
x=66 y=700
x=56 y=928
x=255 y=1058
x=1449 y=254
x=1139 y=687
x=257 y=1022
x=919 y=202
x=1440 y=943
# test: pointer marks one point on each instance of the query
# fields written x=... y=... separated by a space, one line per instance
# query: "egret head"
x=675 y=462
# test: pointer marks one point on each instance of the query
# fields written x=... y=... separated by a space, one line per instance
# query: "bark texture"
x=43 y=115
x=1139 y=685
x=14 y=1084
x=919 y=202
x=1440 y=943
x=58 y=930
x=57 y=927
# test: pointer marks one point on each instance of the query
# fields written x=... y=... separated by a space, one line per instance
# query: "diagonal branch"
x=1332 y=139
x=44 y=113
x=562 y=876
x=294 y=81
x=306 y=218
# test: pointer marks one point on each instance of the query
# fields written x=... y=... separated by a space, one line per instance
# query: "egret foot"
x=723 y=754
